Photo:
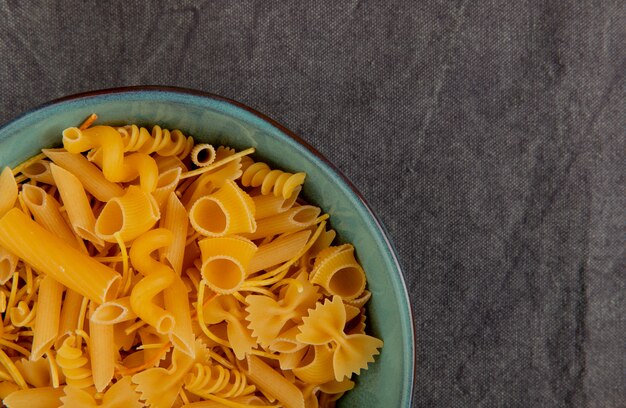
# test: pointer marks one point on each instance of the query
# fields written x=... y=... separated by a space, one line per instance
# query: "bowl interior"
x=388 y=382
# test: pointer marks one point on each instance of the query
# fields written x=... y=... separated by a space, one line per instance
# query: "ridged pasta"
x=8 y=265
x=295 y=219
x=278 y=182
x=227 y=211
x=130 y=215
x=74 y=363
x=203 y=154
x=338 y=272
x=8 y=186
x=225 y=262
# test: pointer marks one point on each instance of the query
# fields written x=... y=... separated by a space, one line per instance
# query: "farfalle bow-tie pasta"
x=139 y=269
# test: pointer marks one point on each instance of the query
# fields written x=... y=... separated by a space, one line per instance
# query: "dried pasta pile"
x=130 y=279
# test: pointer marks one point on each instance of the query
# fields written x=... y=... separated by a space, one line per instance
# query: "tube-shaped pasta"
x=272 y=383
x=8 y=186
x=39 y=171
x=176 y=302
x=49 y=254
x=69 y=315
x=101 y=354
x=115 y=166
x=46 y=211
x=270 y=205
x=202 y=154
x=114 y=311
x=227 y=211
x=224 y=262
x=211 y=181
x=176 y=221
x=292 y=220
x=166 y=184
x=131 y=215
x=76 y=204
x=337 y=271
x=89 y=175
x=157 y=277
x=278 y=251
x=8 y=264
x=47 y=318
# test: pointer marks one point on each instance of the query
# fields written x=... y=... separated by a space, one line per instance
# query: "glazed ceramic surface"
x=211 y=119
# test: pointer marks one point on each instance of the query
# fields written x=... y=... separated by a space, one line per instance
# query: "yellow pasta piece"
x=227 y=211
x=272 y=383
x=76 y=204
x=211 y=181
x=278 y=251
x=157 y=277
x=101 y=354
x=211 y=380
x=48 y=315
x=228 y=309
x=338 y=272
x=74 y=363
x=278 y=182
x=113 y=312
x=176 y=302
x=166 y=184
x=39 y=171
x=203 y=154
x=175 y=220
x=70 y=311
x=159 y=387
x=268 y=317
x=48 y=254
x=89 y=175
x=7 y=388
x=130 y=215
x=325 y=324
x=8 y=186
x=317 y=366
x=270 y=205
x=225 y=261
x=120 y=395
x=8 y=265
x=115 y=166
x=45 y=210
x=295 y=219
x=35 y=372
x=46 y=397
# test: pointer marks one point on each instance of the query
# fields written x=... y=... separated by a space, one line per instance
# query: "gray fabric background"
x=488 y=136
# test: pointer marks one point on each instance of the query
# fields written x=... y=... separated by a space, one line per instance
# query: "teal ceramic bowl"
x=213 y=119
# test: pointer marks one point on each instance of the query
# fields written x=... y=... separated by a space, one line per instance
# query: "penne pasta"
x=292 y=220
x=176 y=221
x=89 y=175
x=8 y=186
x=272 y=383
x=47 y=318
x=101 y=354
x=49 y=254
x=39 y=171
x=278 y=251
x=76 y=204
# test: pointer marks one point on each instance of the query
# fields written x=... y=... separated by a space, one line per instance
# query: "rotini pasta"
x=137 y=270
x=278 y=182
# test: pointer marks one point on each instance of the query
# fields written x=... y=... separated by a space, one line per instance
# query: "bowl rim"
x=203 y=94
